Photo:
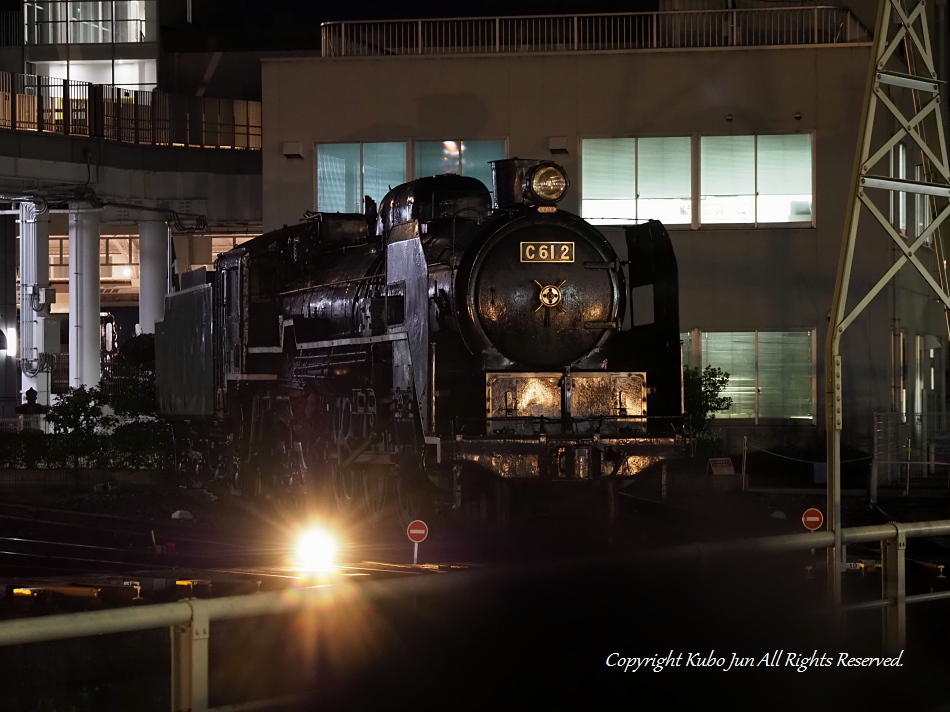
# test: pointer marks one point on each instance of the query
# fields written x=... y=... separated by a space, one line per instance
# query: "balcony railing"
x=70 y=108
x=700 y=29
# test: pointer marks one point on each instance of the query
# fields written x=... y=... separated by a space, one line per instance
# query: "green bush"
x=702 y=398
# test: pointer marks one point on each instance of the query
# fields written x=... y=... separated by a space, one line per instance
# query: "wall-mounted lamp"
x=557 y=144
x=292 y=149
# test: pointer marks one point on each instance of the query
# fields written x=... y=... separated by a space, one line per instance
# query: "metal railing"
x=190 y=620
x=699 y=29
x=71 y=108
x=913 y=455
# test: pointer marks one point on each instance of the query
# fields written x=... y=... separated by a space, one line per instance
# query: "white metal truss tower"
x=902 y=63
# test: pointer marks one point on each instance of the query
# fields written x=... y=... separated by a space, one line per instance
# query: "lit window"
x=467 y=158
x=628 y=179
x=348 y=171
x=771 y=373
x=756 y=179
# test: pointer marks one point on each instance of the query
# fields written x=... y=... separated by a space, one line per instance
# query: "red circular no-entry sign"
x=813 y=519
x=417 y=531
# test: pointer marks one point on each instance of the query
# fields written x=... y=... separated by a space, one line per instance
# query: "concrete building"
x=103 y=173
x=737 y=128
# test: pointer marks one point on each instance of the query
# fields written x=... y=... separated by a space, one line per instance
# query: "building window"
x=628 y=179
x=467 y=158
x=751 y=180
x=756 y=179
x=348 y=171
x=89 y=22
x=771 y=373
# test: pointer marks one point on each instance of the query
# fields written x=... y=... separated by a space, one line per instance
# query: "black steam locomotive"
x=447 y=350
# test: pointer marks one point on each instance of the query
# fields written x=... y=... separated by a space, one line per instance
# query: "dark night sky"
x=248 y=12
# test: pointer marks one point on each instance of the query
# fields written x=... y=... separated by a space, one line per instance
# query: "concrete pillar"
x=84 y=341
x=36 y=361
x=9 y=398
x=153 y=272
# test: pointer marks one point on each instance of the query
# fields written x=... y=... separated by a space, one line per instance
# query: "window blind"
x=384 y=167
x=785 y=374
x=734 y=352
x=476 y=157
x=727 y=165
x=338 y=177
x=664 y=168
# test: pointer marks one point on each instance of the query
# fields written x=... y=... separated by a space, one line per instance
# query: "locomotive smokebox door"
x=534 y=297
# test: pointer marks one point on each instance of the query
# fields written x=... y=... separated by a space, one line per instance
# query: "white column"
x=35 y=362
x=153 y=272
x=84 y=341
x=9 y=388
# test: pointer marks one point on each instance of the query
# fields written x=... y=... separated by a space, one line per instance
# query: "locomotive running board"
x=354 y=341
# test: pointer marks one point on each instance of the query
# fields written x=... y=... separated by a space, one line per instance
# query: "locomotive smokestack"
x=523 y=181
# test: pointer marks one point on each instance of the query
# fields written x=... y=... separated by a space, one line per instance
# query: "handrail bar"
x=189 y=620
x=64 y=626
x=76 y=625
x=707 y=11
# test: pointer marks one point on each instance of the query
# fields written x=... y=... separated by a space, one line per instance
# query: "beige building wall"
x=735 y=279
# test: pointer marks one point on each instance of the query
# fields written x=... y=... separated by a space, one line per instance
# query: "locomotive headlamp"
x=548 y=183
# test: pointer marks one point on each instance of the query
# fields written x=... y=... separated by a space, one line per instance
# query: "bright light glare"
x=316 y=550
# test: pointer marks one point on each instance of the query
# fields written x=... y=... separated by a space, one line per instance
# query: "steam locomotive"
x=447 y=350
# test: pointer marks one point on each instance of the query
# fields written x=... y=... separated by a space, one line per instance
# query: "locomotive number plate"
x=547 y=251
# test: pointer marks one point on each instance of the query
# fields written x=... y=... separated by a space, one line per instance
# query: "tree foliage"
x=96 y=428
x=702 y=398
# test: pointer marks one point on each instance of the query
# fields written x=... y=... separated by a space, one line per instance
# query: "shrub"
x=702 y=398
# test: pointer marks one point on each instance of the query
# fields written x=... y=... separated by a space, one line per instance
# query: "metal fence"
x=761 y=27
x=113 y=375
x=913 y=452
x=71 y=108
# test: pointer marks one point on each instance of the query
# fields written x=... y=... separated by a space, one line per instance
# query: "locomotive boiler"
x=453 y=349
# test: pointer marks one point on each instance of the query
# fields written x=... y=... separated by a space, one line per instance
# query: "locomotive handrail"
x=596 y=32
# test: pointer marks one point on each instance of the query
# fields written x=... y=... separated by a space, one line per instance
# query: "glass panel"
x=476 y=156
x=437 y=157
x=119 y=251
x=733 y=352
x=608 y=180
x=785 y=374
x=664 y=179
x=687 y=338
x=784 y=178
x=338 y=178
x=727 y=186
x=384 y=167
x=55 y=246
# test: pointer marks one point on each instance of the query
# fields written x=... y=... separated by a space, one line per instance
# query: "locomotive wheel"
x=345 y=486
x=411 y=500
x=375 y=485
